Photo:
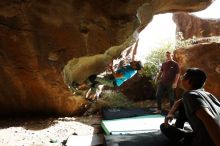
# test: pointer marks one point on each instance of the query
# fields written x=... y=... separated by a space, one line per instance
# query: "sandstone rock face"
x=138 y=88
x=202 y=55
x=191 y=25
x=206 y=57
x=38 y=38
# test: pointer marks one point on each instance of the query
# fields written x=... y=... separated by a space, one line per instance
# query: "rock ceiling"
x=40 y=37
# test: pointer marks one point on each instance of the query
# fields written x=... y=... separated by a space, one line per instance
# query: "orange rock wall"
x=191 y=25
x=39 y=37
x=206 y=57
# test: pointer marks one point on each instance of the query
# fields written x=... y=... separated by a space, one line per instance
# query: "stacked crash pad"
x=132 y=127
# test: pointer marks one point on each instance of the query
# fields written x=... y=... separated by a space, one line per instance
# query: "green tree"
x=154 y=60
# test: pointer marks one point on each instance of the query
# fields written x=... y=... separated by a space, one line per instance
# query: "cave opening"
x=39 y=39
x=160 y=33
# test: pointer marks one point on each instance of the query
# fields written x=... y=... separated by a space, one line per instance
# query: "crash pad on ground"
x=117 y=113
x=133 y=125
x=145 y=139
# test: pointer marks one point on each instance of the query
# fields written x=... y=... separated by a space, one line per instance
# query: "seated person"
x=200 y=108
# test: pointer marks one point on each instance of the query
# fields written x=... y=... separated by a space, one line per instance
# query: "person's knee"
x=163 y=127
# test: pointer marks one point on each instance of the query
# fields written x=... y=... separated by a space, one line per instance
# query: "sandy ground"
x=50 y=131
x=45 y=131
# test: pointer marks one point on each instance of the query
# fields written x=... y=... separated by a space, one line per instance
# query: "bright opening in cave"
x=162 y=30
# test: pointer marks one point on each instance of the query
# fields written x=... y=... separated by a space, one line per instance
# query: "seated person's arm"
x=212 y=126
x=171 y=113
x=175 y=106
x=176 y=80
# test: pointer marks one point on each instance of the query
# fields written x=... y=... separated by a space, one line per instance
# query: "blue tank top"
x=127 y=72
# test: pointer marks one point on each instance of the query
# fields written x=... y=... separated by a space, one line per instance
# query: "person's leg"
x=106 y=81
x=175 y=134
x=98 y=91
x=159 y=94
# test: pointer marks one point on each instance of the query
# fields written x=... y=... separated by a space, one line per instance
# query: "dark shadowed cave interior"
x=49 y=48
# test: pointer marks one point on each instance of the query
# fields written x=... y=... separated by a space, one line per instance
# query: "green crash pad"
x=134 y=125
x=144 y=139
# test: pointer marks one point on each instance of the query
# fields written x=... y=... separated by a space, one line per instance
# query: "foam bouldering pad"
x=133 y=125
x=117 y=113
x=145 y=139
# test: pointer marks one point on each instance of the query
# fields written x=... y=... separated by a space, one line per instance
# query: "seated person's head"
x=195 y=77
x=136 y=65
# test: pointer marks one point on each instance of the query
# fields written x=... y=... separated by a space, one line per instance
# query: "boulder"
x=192 y=26
x=46 y=45
x=138 y=88
x=206 y=57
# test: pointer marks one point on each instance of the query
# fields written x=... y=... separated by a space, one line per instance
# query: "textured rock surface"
x=191 y=25
x=39 y=37
x=138 y=88
x=206 y=57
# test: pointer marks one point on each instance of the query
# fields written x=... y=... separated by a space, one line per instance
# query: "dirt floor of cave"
x=49 y=131
x=45 y=131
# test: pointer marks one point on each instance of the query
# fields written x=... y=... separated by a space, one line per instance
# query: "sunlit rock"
x=206 y=57
x=192 y=26
x=38 y=38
